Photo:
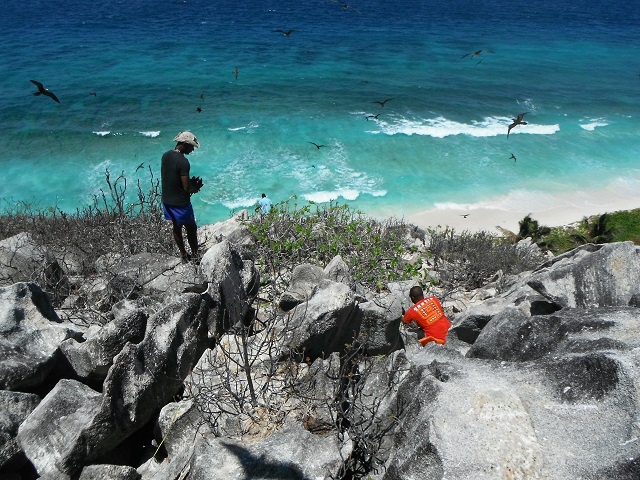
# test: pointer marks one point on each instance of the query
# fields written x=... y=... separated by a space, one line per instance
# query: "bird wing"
x=52 y=95
x=38 y=84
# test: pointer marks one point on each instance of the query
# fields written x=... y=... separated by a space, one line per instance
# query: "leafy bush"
x=288 y=236
x=617 y=226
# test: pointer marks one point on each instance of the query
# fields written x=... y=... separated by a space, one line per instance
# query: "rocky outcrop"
x=91 y=359
x=31 y=337
x=22 y=259
x=591 y=276
x=15 y=407
x=537 y=381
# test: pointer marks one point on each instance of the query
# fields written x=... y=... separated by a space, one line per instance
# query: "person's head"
x=186 y=142
x=263 y=195
x=416 y=294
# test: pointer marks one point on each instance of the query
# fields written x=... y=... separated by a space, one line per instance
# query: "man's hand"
x=196 y=184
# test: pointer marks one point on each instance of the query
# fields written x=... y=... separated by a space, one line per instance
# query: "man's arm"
x=187 y=185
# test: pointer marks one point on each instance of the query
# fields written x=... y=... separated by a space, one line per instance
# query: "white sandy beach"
x=548 y=210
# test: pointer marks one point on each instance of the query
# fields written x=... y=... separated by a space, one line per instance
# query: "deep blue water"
x=441 y=140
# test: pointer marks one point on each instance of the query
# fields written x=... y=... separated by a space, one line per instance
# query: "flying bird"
x=345 y=6
x=465 y=215
x=317 y=146
x=514 y=157
x=383 y=102
x=475 y=54
x=375 y=117
x=286 y=33
x=517 y=121
x=44 y=91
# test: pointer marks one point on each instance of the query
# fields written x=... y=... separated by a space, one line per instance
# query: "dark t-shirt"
x=174 y=166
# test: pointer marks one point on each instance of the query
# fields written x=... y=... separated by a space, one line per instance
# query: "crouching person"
x=429 y=315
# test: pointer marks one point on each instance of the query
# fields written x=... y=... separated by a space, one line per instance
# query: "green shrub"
x=290 y=235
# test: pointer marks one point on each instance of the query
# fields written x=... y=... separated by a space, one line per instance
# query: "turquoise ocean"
x=132 y=74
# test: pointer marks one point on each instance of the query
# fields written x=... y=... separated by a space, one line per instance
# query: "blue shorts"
x=180 y=215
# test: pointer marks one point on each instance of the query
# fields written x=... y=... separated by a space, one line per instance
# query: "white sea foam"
x=321 y=197
x=102 y=133
x=441 y=127
x=151 y=133
x=593 y=123
x=250 y=126
x=241 y=202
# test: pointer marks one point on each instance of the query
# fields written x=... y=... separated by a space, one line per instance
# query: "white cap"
x=187 y=137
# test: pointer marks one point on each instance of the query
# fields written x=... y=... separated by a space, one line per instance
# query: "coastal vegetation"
x=125 y=222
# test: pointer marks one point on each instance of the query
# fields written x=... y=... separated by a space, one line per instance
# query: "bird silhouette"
x=317 y=146
x=44 y=91
x=346 y=6
x=197 y=288
x=286 y=33
x=383 y=102
x=514 y=157
x=517 y=121
x=465 y=215
x=475 y=54
x=375 y=117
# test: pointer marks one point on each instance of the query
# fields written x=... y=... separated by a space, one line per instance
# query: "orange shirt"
x=429 y=316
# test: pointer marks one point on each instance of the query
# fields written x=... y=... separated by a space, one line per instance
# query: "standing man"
x=265 y=204
x=177 y=188
x=429 y=316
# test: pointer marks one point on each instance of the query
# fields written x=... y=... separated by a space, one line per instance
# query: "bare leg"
x=177 y=236
x=192 y=237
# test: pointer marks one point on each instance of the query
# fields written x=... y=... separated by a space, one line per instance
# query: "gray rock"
x=512 y=335
x=233 y=230
x=338 y=271
x=22 y=260
x=110 y=472
x=54 y=430
x=145 y=273
x=591 y=276
x=143 y=378
x=303 y=285
x=31 y=334
x=14 y=409
x=292 y=453
x=380 y=328
x=234 y=283
x=326 y=323
x=91 y=359
x=146 y=376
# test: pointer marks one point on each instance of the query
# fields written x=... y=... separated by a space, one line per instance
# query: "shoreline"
x=560 y=210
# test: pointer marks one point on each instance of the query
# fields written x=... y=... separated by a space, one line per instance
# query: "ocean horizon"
x=260 y=82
